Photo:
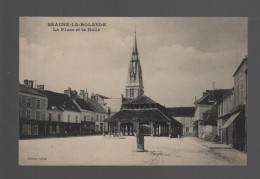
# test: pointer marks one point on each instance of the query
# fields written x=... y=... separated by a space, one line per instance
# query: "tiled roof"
x=27 y=89
x=181 y=111
x=145 y=116
x=60 y=101
x=139 y=100
x=143 y=102
x=212 y=96
x=95 y=106
x=83 y=104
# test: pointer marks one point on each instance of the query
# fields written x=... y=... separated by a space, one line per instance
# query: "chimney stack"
x=86 y=95
x=68 y=91
x=74 y=94
x=26 y=82
x=31 y=83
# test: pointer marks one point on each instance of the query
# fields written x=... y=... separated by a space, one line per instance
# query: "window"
x=97 y=117
x=187 y=129
x=76 y=119
x=59 y=117
x=85 y=118
x=38 y=103
x=104 y=118
x=131 y=92
x=50 y=116
x=26 y=129
x=68 y=118
x=38 y=115
x=28 y=102
x=34 y=129
x=28 y=114
x=100 y=117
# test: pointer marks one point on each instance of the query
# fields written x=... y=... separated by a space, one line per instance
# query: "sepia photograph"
x=133 y=91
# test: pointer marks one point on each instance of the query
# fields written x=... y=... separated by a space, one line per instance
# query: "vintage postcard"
x=133 y=91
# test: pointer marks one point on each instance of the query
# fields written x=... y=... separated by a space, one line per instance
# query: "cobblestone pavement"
x=103 y=150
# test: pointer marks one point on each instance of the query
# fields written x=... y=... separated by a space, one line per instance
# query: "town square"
x=129 y=95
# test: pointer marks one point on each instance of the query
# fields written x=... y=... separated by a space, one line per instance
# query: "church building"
x=136 y=106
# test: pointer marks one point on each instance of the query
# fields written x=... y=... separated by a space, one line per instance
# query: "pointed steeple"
x=135 y=50
x=134 y=86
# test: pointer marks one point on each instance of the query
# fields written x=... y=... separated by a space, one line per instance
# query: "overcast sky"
x=180 y=57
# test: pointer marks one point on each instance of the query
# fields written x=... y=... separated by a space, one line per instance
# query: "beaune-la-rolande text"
x=77 y=24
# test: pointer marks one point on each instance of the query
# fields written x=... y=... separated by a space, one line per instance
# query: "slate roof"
x=181 y=111
x=83 y=104
x=212 y=96
x=27 y=89
x=60 y=101
x=145 y=116
x=95 y=106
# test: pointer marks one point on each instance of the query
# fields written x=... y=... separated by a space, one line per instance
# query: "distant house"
x=185 y=115
x=93 y=112
x=63 y=115
x=206 y=113
x=32 y=111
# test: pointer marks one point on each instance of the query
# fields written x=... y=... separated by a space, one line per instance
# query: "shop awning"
x=230 y=120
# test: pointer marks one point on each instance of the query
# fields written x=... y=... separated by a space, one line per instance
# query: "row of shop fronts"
x=37 y=129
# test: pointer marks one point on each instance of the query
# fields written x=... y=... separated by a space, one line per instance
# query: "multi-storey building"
x=32 y=111
x=232 y=117
x=206 y=113
x=185 y=115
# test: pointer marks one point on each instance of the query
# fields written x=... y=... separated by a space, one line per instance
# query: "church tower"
x=134 y=85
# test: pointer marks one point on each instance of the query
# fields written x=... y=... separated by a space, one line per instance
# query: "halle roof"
x=139 y=100
x=27 y=89
x=60 y=101
x=145 y=116
x=181 y=111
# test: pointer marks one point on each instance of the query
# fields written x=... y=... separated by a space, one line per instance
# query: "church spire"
x=135 y=51
x=134 y=86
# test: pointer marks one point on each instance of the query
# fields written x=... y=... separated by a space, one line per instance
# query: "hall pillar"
x=160 y=130
x=170 y=129
x=118 y=127
x=109 y=129
x=152 y=128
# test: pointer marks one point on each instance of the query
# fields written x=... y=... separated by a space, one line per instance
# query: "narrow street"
x=100 y=150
